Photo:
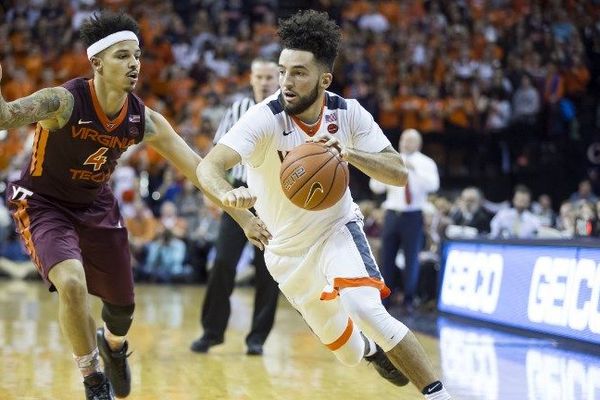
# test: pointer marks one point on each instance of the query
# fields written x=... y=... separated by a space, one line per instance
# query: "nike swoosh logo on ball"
x=312 y=192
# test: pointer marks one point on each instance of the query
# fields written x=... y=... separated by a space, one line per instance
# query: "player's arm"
x=50 y=106
x=368 y=149
x=385 y=166
x=159 y=134
x=212 y=173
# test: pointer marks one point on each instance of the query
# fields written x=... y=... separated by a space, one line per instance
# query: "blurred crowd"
x=467 y=67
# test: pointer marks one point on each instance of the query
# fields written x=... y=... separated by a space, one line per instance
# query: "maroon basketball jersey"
x=72 y=163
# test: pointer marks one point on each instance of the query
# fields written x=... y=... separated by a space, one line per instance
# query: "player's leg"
x=74 y=316
x=265 y=305
x=390 y=244
x=216 y=308
x=400 y=345
x=107 y=265
x=360 y=294
x=53 y=245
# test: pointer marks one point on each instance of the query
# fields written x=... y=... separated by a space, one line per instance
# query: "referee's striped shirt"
x=232 y=115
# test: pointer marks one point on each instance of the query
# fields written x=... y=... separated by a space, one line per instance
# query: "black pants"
x=217 y=308
x=402 y=229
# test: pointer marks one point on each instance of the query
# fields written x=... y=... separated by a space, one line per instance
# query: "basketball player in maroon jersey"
x=63 y=206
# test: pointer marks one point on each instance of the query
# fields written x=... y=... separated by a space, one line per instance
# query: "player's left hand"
x=330 y=141
x=257 y=233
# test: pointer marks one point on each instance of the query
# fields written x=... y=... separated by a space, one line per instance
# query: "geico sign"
x=565 y=292
x=472 y=280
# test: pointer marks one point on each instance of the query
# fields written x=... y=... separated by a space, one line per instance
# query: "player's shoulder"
x=334 y=101
x=273 y=104
x=75 y=85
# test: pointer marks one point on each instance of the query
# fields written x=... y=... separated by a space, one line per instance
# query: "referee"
x=231 y=241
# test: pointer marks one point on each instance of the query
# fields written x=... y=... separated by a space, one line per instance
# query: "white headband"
x=109 y=40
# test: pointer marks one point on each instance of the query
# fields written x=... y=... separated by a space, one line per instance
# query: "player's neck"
x=110 y=100
x=312 y=114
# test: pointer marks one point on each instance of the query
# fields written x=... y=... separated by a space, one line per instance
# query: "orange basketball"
x=313 y=176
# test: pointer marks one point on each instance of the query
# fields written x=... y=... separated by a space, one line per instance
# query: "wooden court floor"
x=476 y=363
x=37 y=363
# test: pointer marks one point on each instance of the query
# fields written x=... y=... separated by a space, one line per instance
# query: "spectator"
x=526 y=103
x=469 y=211
x=586 y=220
x=584 y=192
x=142 y=228
x=170 y=220
x=565 y=223
x=164 y=263
x=543 y=210
x=518 y=221
x=498 y=113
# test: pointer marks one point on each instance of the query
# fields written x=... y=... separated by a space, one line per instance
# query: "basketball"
x=314 y=177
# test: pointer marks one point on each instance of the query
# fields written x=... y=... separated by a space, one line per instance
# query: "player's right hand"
x=239 y=198
x=257 y=233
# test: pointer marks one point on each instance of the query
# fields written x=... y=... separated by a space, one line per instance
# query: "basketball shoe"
x=97 y=387
x=386 y=369
x=116 y=366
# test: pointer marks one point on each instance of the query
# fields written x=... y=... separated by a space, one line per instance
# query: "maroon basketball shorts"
x=94 y=235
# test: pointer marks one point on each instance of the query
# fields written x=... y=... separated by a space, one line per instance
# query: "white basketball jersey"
x=265 y=134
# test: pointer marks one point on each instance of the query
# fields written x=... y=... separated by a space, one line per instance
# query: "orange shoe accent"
x=339 y=342
x=340 y=283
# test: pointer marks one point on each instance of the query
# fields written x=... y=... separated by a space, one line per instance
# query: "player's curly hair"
x=104 y=23
x=313 y=31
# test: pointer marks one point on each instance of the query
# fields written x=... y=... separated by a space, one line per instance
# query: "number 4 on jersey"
x=97 y=159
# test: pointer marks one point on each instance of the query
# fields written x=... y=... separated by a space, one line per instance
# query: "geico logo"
x=553 y=376
x=469 y=361
x=565 y=292
x=472 y=280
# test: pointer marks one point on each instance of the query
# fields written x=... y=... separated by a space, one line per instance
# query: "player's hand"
x=239 y=198
x=257 y=233
x=330 y=141
x=0 y=72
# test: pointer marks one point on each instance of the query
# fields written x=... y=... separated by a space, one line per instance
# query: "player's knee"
x=372 y=317
x=351 y=352
x=118 y=319
x=69 y=281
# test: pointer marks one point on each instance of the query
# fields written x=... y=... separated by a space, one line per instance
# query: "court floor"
x=476 y=363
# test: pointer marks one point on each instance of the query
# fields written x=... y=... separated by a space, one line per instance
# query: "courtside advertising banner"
x=545 y=288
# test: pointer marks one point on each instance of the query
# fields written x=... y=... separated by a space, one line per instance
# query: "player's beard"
x=303 y=102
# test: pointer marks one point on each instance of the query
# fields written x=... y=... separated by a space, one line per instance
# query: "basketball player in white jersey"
x=320 y=259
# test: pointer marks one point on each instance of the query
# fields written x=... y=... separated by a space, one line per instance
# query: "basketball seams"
x=314 y=173
x=330 y=184
x=300 y=158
